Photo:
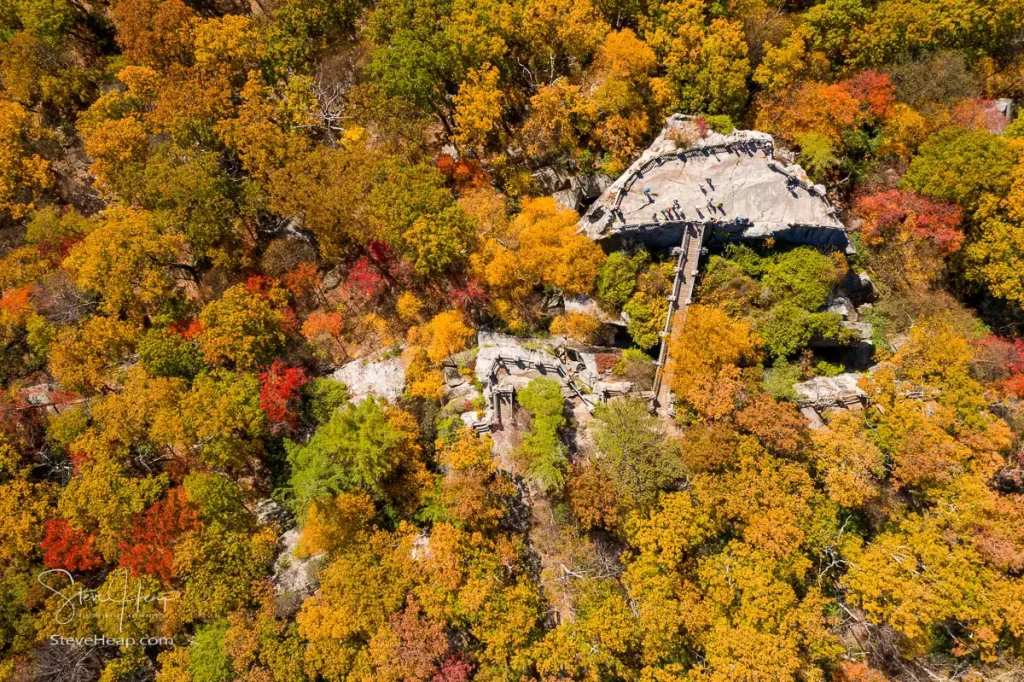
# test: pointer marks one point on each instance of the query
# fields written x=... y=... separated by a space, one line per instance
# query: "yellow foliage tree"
x=706 y=351
x=126 y=260
x=331 y=525
x=420 y=379
x=118 y=148
x=851 y=466
x=241 y=328
x=542 y=248
x=478 y=107
x=23 y=174
x=86 y=358
x=580 y=327
x=445 y=334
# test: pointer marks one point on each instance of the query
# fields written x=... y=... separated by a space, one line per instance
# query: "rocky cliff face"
x=730 y=183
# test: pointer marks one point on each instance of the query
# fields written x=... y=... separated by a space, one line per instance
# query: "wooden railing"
x=684 y=273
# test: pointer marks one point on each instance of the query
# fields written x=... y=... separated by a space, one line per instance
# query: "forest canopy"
x=212 y=211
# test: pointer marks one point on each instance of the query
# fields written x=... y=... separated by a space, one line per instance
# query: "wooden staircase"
x=688 y=258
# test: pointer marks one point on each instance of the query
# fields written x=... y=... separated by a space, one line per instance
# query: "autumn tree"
x=706 y=62
x=544 y=249
x=989 y=257
x=149 y=545
x=371 y=446
x=706 y=352
x=280 y=394
x=127 y=260
x=154 y=33
x=634 y=452
x=87 y=357
x=914 y=230
x=472 y=494
x=242 y=328
x=445 y=334
x=222 y=415
x=478 y=107
x=961 y=166
x=24 y=172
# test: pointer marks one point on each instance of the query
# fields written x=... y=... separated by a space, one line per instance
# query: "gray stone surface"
x=828 y=390
x=861 y=328
x=590 y=186
x=743 y=183
x=568 y=198
x=588 y=306
x=268 y=512
x=858 y=287
x=814 y=420
x=380 y=376
x=551 y=179
x=294 y=579
x=843 y=307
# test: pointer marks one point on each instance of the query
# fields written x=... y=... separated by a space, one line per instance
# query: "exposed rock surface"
x=822 y=392
x=294 y=579
x=858 y=288
x=268 y=512
x=731 y=181
x=379 y=375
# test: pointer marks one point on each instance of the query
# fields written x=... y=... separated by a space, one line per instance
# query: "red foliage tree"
x=303 y=280
x=149 y=544
x=976 y=113
x=1001 y=362
x=290 y=322
x=467 y=294
x=702 y=126
x=455 y=668
x=899 y=215
x=64 y=546
x=280 y=393
x=423 y=643
x=464 y=173
x=17 y=302
x=365 y=279
x=259 y=284
x=380 y=253
x=445 y=164
x=873 y=90
x=56 y=252
x=187 y=329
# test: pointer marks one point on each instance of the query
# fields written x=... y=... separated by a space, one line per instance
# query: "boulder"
x=590 y=186
x=380 y=375
x=551 y=179
x=270 y=513
x=332 y=279
x=568 y=198
x=294 y=579
x=843 y=307
x=824 y=391
x=858 y=287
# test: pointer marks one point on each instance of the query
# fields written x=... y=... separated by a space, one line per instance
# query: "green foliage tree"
x=166 y=354
x=208 y=662
x=242 y=329
x=787 y=328
x=616 y=280
x=962 y=166
x=635 y=452
x=646 y=319
x=360 y=446
x=801 y=276
x=542 y=451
